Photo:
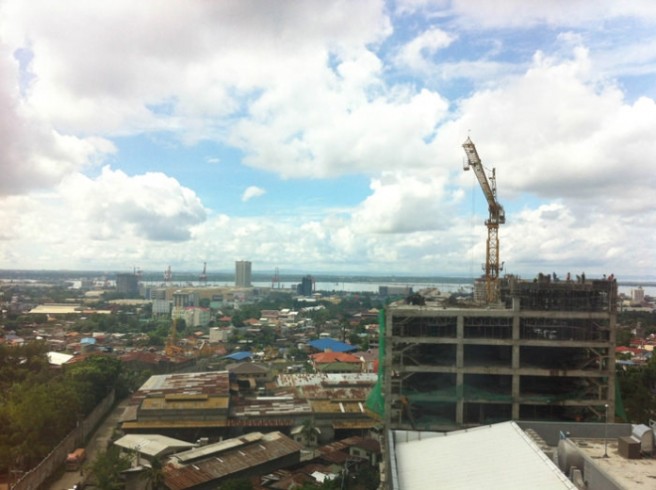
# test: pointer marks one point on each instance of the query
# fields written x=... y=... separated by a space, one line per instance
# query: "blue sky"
x=326 y=135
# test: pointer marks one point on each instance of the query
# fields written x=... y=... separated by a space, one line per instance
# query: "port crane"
x=496 y=217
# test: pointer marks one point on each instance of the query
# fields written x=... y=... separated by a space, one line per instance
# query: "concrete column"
x=610 y=365
x=460 y=377
x=515 y=362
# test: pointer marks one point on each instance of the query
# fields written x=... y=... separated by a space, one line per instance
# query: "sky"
x=325 y=136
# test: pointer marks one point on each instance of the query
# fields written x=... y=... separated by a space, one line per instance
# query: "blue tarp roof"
x=331 y=345
x=239 y=356
x=88 y=340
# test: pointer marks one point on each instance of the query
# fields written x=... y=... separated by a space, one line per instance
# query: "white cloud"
x=552 y=237
x=316 y=135
x=556 y=132
x=287 y=91
x=402 y=204
x=151 y=206
x=477 y=14
x=33 y=155
x=251 y=192
x=416 y=54
x=121 y=69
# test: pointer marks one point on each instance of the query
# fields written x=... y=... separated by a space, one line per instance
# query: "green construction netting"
x=619 y=404
x=375 y=401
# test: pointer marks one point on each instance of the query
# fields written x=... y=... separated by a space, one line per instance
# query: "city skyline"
x=327 y=136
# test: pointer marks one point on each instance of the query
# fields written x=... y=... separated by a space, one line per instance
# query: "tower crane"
x=497 y=216
x=172 y=349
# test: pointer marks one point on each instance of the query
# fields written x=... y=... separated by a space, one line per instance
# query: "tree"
x=107 y=467
x=96 y=377
x=154 y=474
x=638 y=389
x=309 y=432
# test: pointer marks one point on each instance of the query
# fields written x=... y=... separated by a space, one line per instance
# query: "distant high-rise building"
x=127 y=284
x=183 y=299
x=637 y=295
x=243 y=274
x=306 y=287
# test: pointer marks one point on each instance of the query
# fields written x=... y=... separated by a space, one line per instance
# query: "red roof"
x=328 y=357
x=632 y=350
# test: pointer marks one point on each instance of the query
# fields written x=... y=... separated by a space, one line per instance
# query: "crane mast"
x=496 y=217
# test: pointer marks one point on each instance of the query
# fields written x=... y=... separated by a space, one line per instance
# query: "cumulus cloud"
x=553 y=236
x=251 y=192
x=517 y=13
x=578 y=140
x=151 y=206
x=331 y=138
x=415 y=53
x=401 y=204
x=177 y=68
x=305 y=96
x=33 y=154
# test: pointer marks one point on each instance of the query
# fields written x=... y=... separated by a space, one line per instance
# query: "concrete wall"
x=34 y=478
x=550 y=431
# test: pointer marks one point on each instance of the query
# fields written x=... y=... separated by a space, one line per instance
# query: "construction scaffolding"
x=549 y=354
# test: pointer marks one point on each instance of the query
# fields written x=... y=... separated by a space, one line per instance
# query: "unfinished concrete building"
x=545 y=351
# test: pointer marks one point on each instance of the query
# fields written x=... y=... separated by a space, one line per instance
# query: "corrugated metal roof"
x=214 y=403
x=328 y=379
x=331 y=344
x=355 y=424
x=338 y=407
x=151 y=444
x=239 y=356
x=268 y=408
x=269 y=447
x=174 y=424
x=210 y=382
x=495 y=457
x=217 y=447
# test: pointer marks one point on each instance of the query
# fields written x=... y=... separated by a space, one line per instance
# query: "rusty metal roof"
x=244 y=456
x=328 y=379
x=260 y=422
x=338 y=407
x=174 y=424
x=159 y=403
x=210 y=382
x=268 y=407
x=355 y=424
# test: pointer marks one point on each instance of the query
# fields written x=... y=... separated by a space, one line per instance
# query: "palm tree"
x=309 y=432
x=154 y=474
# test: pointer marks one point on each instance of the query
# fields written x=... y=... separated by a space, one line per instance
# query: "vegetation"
x=106 y=469
x=237 y=484
x=39 y=405
x=638 y=390
x=154 y=474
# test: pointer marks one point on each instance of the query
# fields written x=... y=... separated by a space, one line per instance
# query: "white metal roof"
x=499 y=456
x=151 y=444
x=58 y=358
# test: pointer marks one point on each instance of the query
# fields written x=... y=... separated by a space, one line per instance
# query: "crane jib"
x=497 y=217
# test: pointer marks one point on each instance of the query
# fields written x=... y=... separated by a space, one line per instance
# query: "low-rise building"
x=180 y=405
x=207 y=466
